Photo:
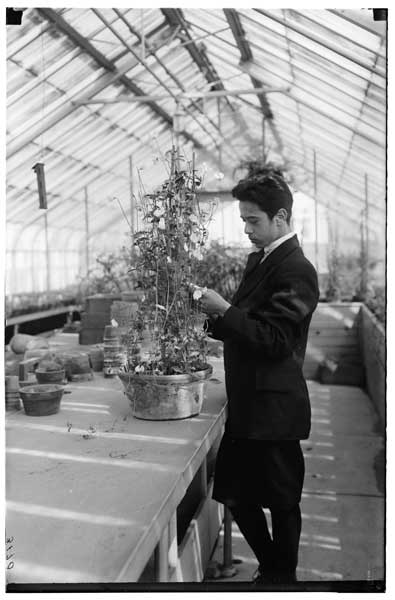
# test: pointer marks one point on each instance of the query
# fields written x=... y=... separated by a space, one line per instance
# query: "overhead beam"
x=175 y=18
x=155 y=76
x=330 y=32
x=101 y=60
x=323 y=114
x=355 y=133
x=315 y=39
x=246 y=55
x=187 y=95
x=360 y=24
x=114 y=75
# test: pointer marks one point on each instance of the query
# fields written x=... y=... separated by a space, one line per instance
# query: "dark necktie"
x=253 y=261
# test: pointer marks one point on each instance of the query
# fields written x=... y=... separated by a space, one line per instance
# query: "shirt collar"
x=276 y=243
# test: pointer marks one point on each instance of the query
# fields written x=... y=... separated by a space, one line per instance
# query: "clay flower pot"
x=43 y=376
x=41 y=399
x=163 y=397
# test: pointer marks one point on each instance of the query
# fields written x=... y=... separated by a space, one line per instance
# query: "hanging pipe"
x=315 y=210
x=47 y=253
x=133 y=224
x=87 y=258
x=263 y=138
x=367 y=219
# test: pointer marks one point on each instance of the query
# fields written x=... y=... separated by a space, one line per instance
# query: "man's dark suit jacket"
x=265 y=335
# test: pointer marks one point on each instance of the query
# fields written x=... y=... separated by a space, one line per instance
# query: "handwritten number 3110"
x=9 y=553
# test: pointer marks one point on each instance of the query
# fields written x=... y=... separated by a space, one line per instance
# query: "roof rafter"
x=175 y=18
x=81 y=41
x=355 y=133
x=155 y=76
x=177 y=81
x=329 y=31
x=114 y=74
x=317 y=40
x=347 y=17
x=246 y=55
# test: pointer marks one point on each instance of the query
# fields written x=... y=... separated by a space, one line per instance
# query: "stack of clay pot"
x=114 y=352
x=12 y=399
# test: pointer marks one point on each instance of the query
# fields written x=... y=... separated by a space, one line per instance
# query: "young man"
x=264 y=330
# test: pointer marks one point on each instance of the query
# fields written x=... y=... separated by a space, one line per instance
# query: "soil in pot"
x=41 y=399
x=77 y=365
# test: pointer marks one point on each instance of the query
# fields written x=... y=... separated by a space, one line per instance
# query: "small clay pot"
x=50 y=376
x=41 y=399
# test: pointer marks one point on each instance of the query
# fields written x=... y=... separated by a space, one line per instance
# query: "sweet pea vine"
x=166 y=334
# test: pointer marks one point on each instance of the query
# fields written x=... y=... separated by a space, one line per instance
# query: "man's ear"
x=282 y=214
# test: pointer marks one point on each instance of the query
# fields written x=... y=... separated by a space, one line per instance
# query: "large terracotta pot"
x=41 y=400
x=164 y=397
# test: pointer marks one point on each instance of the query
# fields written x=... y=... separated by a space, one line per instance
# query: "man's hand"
x=213 y=304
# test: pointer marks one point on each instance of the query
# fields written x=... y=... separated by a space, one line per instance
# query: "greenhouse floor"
x=343 y=500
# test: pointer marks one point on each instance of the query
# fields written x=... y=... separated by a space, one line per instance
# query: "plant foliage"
x=221 y=268
x=166 y=334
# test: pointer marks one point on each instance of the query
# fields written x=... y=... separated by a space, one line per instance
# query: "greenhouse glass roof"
x=100 y=95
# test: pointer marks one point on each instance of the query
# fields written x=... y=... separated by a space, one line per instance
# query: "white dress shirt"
x=276 y=243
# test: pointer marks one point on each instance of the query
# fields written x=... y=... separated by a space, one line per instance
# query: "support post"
x=177 y=129
x=174 y=563
x=367 y=220
x=203 y=478
x=219 y=121
x=132 y=207
x=227 y=569
x=47 y=253
x=315 y=210
x=263 y=138
x=87 y=258
x=162 y=557
x=363 y=287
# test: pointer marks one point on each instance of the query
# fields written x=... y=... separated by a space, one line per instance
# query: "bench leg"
x=162 y=557
x=167 y=564
x=227 y=569
x=174 y=563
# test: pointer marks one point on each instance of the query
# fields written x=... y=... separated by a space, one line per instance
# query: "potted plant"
x=166 y=362
x=41 y=400
x=50 y=370
x=108 y=292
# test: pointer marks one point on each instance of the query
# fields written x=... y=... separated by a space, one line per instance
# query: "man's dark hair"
x=268 y=190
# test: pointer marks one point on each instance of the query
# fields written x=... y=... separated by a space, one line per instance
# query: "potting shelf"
x=95 y=495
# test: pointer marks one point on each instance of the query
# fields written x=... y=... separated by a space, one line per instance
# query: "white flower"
x=139 y=369
x=168 y=259
x=114 y=323
x=198 y=292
